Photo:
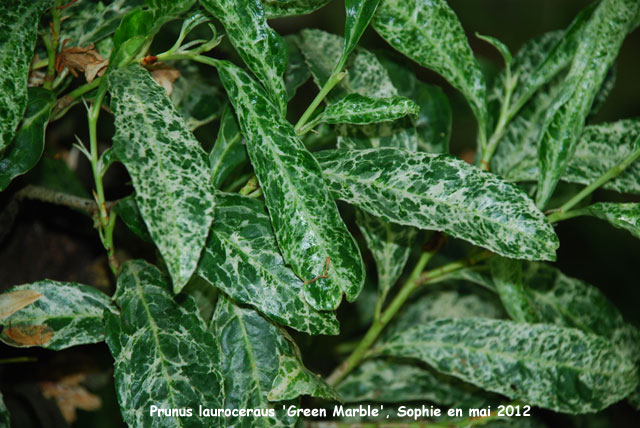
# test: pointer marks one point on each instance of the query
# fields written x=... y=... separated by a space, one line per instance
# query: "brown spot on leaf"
x=16 y=300
x=29 y=335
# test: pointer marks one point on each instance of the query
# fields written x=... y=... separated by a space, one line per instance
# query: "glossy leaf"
x=597 y=49
x=261 y=48
x=428 y=32
x=399 y=381
x=168 y=167
x=310 y=232
x=360 y=110
x=127 y=211
x=620 y=215
x=280 y=8
x=358 y=16
x=66 y=314
x=548 y=366
x=164 y=355
x=250 y=347
x=28 y=144
x=297 y=72
x=229 y=151
x=294 y=380
x=507 y=276
x=439 y=192
x=18 y=27
x=198 y=97
x=241 y=258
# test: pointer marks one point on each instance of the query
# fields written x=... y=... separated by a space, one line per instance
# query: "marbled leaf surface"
x=428 y=32
x=297 y=72
x=251 y=348
x=229 y=150
x=169 y=169
x=261 y=48
x=399 y=381
x=564 y=122
x=507 y=277
x=294 y=380
x=280 y=8
x=359 y=109
x=164 y=355
x=66 y=314
x=358 y=16
x=18 y=27
x=28 y=144
x=621 y=215
x=241 y=258
x=439 y=192
x=311 y=235
x=554 y=367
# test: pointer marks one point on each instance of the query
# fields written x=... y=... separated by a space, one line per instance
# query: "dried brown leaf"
x=70 y=396
x=16 y=300
x=165 y=77
x=81 y=60
x=28 y=335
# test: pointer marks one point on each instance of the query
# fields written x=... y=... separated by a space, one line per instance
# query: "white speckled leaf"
x=597 y=49
x=169 y=169
x=229 y=150
x=303 y=213
x=399 y=381
x=361 y=110
x=294 y=380
x=251 y=349
x=507 y=277
x=428 y=32
x=261 y=48
x=241 y=258
x=164 y=355
x=280 y=8
x=558 y=368
x=18 y=27
x=620 y=215
x=66 y=314
x=439 y=192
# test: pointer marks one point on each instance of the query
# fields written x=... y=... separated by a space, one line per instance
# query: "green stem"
x=18 y=360
x=69 y=99
x=503 y=120
x=609 y=175
x=557 y=216
x=250 y=187
x=44 y=194
x=51 y=44
x=333 y=80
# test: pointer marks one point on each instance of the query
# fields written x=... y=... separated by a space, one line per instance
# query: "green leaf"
x=251 y=348
x=390 y=245
x=241 y=258
x=261 y=48
x=358 y=16
x=28 y=144
x=297 y=72
x=397 y=381
x=622 y=216
x=198 y=97
x=164 y=355
x=18 y=28
x=280 y=8
x=4 y=414
x=548 y=366
x=128 y=212
x=500 y=47
x=168 y=167
x=507 y=276
x=597 y=49
x=310 y=232
x=67 y=314
x=439 y=192
x=294 y=380
x=55 y=174
x=358 y=109
x=428 y=32
x=229 y=151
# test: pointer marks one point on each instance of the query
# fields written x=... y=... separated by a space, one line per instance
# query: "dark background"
x=46 y=241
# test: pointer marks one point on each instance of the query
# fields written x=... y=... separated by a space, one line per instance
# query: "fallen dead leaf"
x=165 y=77
x=70 y=396
x=78 y=59
x=29 y=335
x=16 y=300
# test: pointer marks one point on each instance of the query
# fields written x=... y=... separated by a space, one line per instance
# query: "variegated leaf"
x=229 y=150
x=361 y=110
x=251 y=348
x=164 y=355
x=26 y=148
x=620 y=215
x=168 y=167
x=398 y=381
x=294 y=380
x=297 y=72
x=358 y=16
x=507 y=276
x=280 y=8
x=261 y=48
x=241 y=258
x=428 y=32
x=66 y=314
x=439 y=192
x=597 y=49
x=18 y=27
x=554 y=367
x=310 y=232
